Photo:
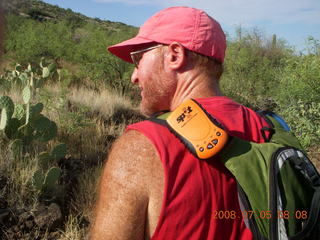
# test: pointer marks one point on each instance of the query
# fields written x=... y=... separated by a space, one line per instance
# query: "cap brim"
x=123 y=49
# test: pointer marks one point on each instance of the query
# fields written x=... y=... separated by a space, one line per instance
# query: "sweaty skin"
x=132 y=184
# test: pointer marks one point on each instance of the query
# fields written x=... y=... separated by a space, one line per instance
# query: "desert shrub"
x=300 y=80
x=252 y=65
x=304 y=120
x=75 y=40
x=29 y=40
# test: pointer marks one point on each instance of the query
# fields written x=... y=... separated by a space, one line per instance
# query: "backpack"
x=278 y=186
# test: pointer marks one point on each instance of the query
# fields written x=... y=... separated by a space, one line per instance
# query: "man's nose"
x=134 y=76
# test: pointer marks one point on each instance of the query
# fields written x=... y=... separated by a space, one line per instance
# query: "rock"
x=48 y=217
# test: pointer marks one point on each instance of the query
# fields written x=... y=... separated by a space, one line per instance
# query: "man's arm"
x=121 y=208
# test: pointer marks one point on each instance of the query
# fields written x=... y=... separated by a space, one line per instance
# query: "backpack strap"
x=274 y=121
x=279 y=130
x=300 y=162
x=160 y=118
x=312 y=221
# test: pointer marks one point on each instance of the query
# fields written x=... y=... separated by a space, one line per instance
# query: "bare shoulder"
x=125 y=189
x=134 y=154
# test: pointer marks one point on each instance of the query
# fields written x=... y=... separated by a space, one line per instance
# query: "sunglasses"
x=137 y=55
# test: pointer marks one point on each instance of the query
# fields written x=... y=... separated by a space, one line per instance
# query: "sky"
x=291 y=20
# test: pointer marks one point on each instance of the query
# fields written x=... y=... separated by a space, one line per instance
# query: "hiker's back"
x=200 y=197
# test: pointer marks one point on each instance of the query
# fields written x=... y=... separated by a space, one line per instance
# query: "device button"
x=209 y=146
x=215 y=141
x=218 y=134
x=201 y=149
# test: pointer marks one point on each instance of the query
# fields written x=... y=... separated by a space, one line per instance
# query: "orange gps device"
x=200 y=132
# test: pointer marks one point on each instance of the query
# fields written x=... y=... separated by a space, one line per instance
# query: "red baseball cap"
x=192 y=28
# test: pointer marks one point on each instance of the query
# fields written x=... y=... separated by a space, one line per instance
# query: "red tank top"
x=200 y=197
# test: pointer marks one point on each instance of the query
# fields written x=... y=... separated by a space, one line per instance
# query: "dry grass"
x=106 y=103
x=85 y=192
x=73 y=230
x=18 y=174
x=107 y=115
x=104 y=113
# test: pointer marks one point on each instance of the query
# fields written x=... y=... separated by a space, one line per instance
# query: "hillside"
x=36 y=9
x=77 y=43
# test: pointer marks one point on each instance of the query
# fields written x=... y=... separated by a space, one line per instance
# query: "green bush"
x=299 y=80
x=74 y=40
x=304 y=120
x=252 y=66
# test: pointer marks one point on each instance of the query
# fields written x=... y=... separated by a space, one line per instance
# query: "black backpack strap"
x=302 y=164
x=313 y=219
x=269 y=128
x=311 y=174
x=274 y=122
x=160 y=118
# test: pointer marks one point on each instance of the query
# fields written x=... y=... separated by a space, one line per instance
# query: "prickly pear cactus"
x=59 y=151
x=4 y=119
x=24 y=123
x=38 y=180
x=46 y=182
x=11 y=129
x=36 y=109
x=44 y=159
x=45 y=129
x=7 y=109
x=52 y=178
x=26 y=94
x=47 y=158
x=19 y=111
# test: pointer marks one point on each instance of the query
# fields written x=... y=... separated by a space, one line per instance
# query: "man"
x=152 y=187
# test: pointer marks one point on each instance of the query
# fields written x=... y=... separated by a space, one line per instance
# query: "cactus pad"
x=39 y=83
x=52 y=177
x=25 y=132
x=44 y=159
x=19 y=111
x=38 y=180
x=26 y=94
x=24 y=78
x=4 y=119
x=52 y=67
x=45 y=129
x=45 y=72
x=7 y=103
x=59 y=151
x=7 y=107
x=36 y=109
x=11 y=128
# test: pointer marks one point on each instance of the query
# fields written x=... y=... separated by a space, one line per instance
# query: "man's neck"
x=194 y=86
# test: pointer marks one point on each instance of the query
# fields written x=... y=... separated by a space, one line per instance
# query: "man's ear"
x=176 y=56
